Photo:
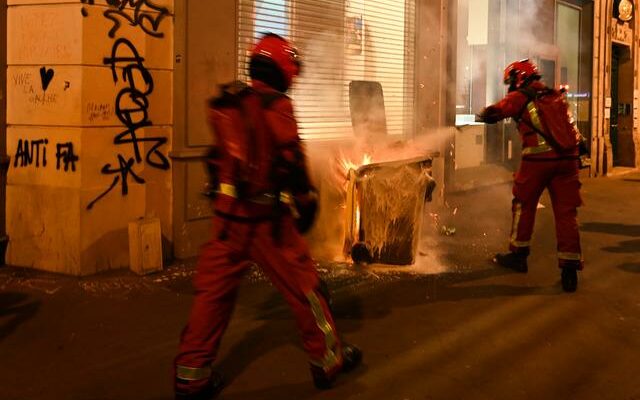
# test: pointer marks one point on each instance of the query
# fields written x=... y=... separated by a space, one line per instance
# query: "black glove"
x=307 y=208
x=489 y=115
x=583 y=154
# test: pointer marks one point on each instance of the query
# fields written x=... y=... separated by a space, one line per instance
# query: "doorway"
x=206 y=51
x=621 y=117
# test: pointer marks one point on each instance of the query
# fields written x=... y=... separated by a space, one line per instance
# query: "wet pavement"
x=453 y=326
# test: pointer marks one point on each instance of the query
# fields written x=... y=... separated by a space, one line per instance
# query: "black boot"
x=569 y=277
x=210 y=391
x=514 y=261
x=351 y=358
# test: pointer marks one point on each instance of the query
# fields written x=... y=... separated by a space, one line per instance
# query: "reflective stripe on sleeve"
x=192 y=374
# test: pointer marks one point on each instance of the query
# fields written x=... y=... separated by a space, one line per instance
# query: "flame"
x=345 y=165
x=348 y=165
x=342 y=165
x=366 y=159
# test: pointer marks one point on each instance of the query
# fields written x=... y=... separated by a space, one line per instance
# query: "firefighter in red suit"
x=257 y=227
x=542 y=166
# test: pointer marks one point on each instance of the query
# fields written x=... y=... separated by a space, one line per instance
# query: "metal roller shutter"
x=339 y=41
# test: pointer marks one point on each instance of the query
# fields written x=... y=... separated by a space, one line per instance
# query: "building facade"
x=556 y=35
x=615 y=120
x=105 y=119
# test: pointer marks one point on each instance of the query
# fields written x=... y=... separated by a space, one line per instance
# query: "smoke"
x=515 y=30
x=448 y=227
x=319 y=55
x=491 y=35
x=321 y=101
x=330 y=160
x=535 y=27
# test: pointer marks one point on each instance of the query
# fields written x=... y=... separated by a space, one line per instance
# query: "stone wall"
x=89 y=128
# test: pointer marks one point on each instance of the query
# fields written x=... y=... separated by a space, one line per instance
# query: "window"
x=271 y=16
x=473 y=40
x=339 y=42
x=568 y=41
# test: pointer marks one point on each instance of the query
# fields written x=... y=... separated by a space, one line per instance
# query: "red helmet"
x=519 y=73
x=275 y=50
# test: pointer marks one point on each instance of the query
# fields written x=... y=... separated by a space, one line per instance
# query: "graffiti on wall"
x=83 y=10
x=65 y=157
x=33 y=153
x=132 y=109
x=40 y=88
x=132 y=103
x=145 y=14
x=30 y=153
x=99 y=111
x=40 y=33
x=36 y=96
x=46 y=75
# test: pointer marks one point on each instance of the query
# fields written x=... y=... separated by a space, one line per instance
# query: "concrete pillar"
x=89 y=127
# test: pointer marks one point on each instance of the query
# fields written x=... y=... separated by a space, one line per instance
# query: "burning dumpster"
x=384 y=208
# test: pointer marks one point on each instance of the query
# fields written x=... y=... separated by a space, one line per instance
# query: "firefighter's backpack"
x=553 y=119
x=248 y=147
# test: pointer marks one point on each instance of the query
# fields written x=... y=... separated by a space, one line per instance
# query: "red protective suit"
x=542 y=167
x=243 y=234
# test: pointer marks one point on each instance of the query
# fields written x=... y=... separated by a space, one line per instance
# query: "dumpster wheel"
x=360 y=253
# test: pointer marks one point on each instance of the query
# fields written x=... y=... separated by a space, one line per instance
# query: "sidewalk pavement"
x=453 y=326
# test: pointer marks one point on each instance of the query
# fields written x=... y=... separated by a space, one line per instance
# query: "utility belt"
x=272 y=204
x=264 y=199
x=583 y=155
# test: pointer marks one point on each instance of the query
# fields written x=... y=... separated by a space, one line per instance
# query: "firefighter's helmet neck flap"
x=275 y=62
